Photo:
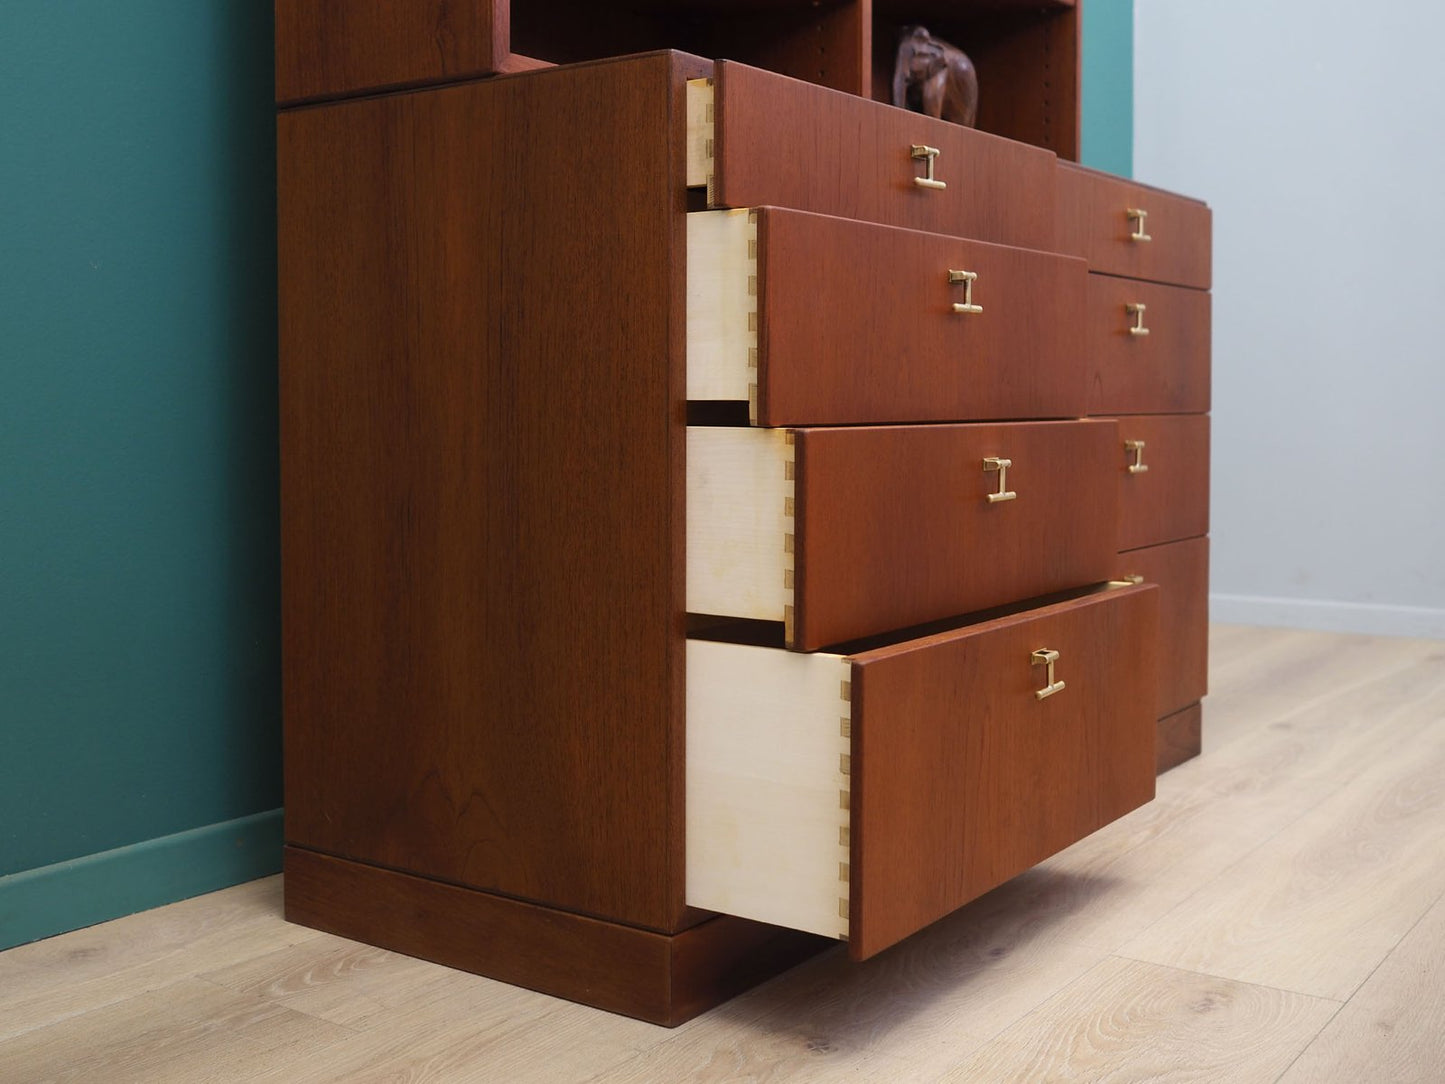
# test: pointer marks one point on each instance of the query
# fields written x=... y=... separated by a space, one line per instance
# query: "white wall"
x=1316 y=130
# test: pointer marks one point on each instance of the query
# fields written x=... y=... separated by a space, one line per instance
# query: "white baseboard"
x=1327 y=616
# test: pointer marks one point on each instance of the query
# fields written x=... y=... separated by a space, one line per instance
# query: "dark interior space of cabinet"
x=1026 y=51
x=1026 y=54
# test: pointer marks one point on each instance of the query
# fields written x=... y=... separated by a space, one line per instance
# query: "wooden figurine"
x=937 y=75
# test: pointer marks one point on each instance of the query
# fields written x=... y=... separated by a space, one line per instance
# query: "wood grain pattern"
x=1169 y=501
x=740 y=523
x=894 y=527
x=826 y=44
x=856 y=326
x=1152 y=1023
x=483 y=571
x=1304 y=911
x=962 y=778
x=722 y=304
x=1391 y=1029
x=1164 y=372
x=1093 y=223
x=1179 y=737
x=179 y=1032
x=767 y=753
x=1181 y=569
x=326 y=49
x=786 y=143
x=619 y=968
x=46 y=982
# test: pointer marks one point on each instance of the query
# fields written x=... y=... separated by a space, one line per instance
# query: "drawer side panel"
x=767 y=785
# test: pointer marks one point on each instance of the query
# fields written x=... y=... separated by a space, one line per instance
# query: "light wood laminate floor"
x=1278 y=913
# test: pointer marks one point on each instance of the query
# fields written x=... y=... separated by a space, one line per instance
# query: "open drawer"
x=820 y=320
x=864 y=796
x=755 y=137
x=858 y=530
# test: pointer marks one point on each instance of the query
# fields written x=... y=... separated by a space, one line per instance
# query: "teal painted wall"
x=139 y=689
x=1108 y=85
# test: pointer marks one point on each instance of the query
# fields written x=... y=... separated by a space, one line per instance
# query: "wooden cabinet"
x=691 y=555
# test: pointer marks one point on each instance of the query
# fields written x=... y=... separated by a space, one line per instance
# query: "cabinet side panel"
x=481 y=398
x=329 y=49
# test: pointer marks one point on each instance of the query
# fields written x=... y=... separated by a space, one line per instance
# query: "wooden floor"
x=1276 y=914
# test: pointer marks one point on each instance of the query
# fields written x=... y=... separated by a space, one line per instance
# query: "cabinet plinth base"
x=1178 y=738
x=661 y=978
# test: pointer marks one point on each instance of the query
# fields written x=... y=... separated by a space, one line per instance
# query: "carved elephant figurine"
x=945 y=80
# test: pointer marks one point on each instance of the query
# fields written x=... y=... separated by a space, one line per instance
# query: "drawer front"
x=1096 y=220
x=850 y=532
x=1181 y=569
x=1148 y=348
x=820 y=320
x=1169 y=498
x=867 y=797
x=787 y=143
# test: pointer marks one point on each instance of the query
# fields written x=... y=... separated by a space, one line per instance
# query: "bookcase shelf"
x=1026 y=51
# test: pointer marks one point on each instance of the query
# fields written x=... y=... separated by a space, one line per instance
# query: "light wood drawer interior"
x=865 y=796
x=854 y=531
x=820 y=320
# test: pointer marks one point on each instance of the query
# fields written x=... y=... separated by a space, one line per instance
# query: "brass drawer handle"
x=1136 y=310
x=1141 y=216
x=966 y=279
x=1046 y=657
x=1136 y=449
x=994 y=463
x=919 y=153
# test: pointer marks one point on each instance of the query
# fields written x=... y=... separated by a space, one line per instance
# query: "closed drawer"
x=818 y=320
x=1181 y=569
x=1100 y=220
x=757 y=138
x=1163 y=472
x=842 y=533
x=1148 y=347
x=864 y=797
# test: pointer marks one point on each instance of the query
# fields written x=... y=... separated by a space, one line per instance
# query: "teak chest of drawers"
x=697 y=533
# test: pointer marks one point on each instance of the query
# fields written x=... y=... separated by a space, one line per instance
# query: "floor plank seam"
x=1302 y=1051
x=1230 y=978
x=1243 y=856
x=1385 y=956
